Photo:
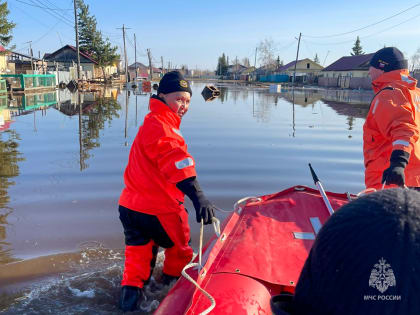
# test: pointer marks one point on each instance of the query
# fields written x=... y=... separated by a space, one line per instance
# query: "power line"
x=132 y=45
x=31 y=16
x=52 y=13
x=46 y=33
x=55 y=13
x=307 y=48
x=68 y=17
x=285 y=47
x=37 y=6
x=364 y=27
x=366 y=36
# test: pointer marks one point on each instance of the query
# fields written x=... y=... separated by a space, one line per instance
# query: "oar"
x=321 y=190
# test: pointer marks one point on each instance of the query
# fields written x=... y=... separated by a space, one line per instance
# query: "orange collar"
x=160 y=108
x=399 y=77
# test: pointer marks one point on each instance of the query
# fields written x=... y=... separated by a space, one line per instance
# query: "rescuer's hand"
x=394 y=174
x=204 y=209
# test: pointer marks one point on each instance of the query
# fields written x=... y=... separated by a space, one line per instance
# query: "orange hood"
x=400 y=77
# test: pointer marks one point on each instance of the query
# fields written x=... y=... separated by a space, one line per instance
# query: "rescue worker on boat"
x=159 y=173
x=391 y=143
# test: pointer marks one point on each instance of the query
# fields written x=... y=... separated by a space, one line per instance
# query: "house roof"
x=137 y=65
x=2 y=48
x=292 y=64
x=360 y=62
x=288 y=65
x=72 y=48
x=13 y=53
x=236 y=68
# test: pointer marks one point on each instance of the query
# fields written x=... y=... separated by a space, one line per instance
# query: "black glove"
x=204 y=209
x=394 y=174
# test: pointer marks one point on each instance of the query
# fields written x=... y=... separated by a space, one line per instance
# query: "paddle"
x=321 y=190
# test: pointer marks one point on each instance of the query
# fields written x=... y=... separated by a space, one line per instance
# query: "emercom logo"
x=382 y=276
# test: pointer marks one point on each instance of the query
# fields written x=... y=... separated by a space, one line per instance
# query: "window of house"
x=308 y=66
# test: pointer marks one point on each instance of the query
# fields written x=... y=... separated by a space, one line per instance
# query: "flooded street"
x=62 y=167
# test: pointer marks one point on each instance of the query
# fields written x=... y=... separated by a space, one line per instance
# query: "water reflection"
x=9 y=158
x=94 y=109
x=24 y=103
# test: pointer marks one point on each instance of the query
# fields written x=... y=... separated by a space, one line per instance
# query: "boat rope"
x=216 y=226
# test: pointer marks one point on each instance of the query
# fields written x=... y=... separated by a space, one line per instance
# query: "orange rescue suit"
x=392 y=123
x=158 y=160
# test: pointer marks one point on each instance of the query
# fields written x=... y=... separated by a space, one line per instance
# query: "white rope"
x=213 y=301
x=216 y=226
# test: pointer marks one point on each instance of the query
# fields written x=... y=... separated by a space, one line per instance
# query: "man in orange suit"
x=159 y=173
x=391 y=143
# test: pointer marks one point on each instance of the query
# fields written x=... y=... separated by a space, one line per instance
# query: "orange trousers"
x=144 y=233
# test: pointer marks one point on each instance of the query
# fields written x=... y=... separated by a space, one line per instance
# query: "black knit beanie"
x=365 y=259
x=173 y=82
x=388 y=59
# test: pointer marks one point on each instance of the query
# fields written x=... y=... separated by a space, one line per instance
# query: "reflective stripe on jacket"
x=158 y=160
x=392 y=123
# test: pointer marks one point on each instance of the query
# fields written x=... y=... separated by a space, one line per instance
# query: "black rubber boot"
x=167 y=279
x=129 y=298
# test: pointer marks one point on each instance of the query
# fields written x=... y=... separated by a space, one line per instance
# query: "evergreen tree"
x=357 y=48
x=91 y=41
x=222 y=65
x=89 y=37
x=316 y=59
x=5 y=26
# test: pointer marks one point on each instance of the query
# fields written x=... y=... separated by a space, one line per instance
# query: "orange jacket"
x=392 y=123
x=158 y=160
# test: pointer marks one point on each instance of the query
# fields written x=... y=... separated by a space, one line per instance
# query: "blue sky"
x=197 y=32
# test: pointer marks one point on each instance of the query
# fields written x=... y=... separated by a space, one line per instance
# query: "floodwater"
x=61 y=241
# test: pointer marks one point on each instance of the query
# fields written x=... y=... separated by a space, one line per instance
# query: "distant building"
x=304 y=67
x=246 y=74
x=349 y=66
x=142 y=70
x=234 y=71
x=350 y=72
x=66 y=57
x=20 y=63
x=3 y=60
x=306 y=70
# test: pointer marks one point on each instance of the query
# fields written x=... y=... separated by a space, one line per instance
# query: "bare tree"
x=266 y=52
x=415 y=60
x=245 y=62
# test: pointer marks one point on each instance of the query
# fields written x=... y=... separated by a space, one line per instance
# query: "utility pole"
x=30 y=53
x=77 y=40
x=135 y=53
x=125 y=56
x=161 y=60
x=255 y=58
x=150 y=64
x=255 y=64
x=325 y=59
x=297 y=55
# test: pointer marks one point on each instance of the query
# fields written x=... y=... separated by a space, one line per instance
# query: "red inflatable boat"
x=259 y=253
